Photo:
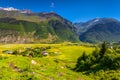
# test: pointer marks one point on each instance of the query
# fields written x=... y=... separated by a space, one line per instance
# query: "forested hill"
x=99 y=30
x=29 y=27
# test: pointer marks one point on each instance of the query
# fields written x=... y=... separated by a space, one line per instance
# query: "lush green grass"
x=51 y=67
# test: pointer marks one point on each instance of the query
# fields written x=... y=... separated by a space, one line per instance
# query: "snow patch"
x=96 y=20
x=9 y=9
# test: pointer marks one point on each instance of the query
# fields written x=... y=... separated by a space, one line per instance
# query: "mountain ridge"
x=35 y=27
x=102 y=29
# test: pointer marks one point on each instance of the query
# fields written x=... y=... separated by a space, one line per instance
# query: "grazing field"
x=56 y=62
x=55 y=66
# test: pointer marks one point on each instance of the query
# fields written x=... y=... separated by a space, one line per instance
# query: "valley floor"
x=57 y=66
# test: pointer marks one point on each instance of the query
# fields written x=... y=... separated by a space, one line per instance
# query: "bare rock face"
x=8 y=36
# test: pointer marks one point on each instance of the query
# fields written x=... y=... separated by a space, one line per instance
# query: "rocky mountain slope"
x=99 y=29
x=24 y=26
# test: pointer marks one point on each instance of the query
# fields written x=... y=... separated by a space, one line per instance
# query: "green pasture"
x=51 y=67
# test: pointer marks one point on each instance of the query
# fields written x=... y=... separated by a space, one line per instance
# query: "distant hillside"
x=103 y=29
x=29 y=27
x=84 y=26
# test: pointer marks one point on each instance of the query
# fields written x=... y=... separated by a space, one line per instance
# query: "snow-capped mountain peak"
x=15 y=9
x=9 y=9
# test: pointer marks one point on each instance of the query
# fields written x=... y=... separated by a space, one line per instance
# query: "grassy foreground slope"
x=51 y=67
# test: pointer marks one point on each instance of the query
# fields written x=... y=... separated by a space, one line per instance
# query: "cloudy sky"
x=73 y=10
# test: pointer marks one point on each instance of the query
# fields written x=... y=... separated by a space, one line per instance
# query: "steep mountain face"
x=103 y=29
x=84 y=26
x=18 y=26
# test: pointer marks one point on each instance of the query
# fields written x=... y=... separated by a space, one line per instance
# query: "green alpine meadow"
x=59 y=40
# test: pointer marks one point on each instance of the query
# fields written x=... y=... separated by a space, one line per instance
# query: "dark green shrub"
x=103 y=50
x=98 y=60
x=111 y=61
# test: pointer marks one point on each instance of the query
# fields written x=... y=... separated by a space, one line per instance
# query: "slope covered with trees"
x=99 y=30
x=35 y=28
